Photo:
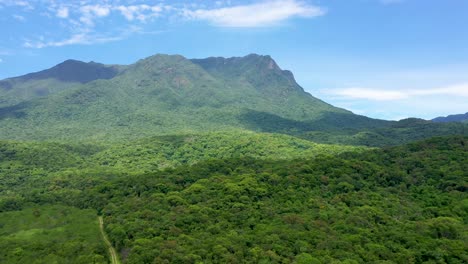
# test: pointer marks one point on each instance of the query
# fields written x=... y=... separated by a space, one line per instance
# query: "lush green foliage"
x=214 y=161
x=51 y=234
x=27 y=165
x=158 y=95
x=395 y=133
x=405 y=204
x=147 y=155
x=162 y=95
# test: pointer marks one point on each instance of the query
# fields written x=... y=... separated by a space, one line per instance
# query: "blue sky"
x=386 y=59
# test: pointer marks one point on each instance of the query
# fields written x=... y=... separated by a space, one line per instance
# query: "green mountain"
x=163 y=94
x=60 y=77
x=452 y=118
x=218 y=160
x=160 y=94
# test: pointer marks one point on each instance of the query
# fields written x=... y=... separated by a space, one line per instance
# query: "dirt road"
x=113 y=254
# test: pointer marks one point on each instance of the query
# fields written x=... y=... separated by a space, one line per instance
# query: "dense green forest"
x=405 y=204
x=219 y=160
x=51 y=234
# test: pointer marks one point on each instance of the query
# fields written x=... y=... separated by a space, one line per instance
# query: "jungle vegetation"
x=219 y=160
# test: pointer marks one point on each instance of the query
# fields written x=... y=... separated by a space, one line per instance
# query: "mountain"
x=218 y=160
x=169 y=94
x=157 y=95
x=452 y=118
x=60 y=77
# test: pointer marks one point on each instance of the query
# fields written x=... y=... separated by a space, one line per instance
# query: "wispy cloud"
x=86 y=21
x=458 y=90
x=1 y=60
x=87 y=38
x=368 y=94
x=90 y=12
x=261 y=14
x=19 y=3
x=81 y=38
x=452 y=90
x=63 y=12
x=140 y=12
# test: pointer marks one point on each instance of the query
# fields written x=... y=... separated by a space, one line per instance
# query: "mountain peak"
x=162 y=57
x=70 y=62
x=253 y=61
x=261 y=71
x=163 y=93
x=73 y=71
x=256 y=56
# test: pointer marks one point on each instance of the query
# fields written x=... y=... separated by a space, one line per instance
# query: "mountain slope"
x=65 y=75
x=452 y=118
x=394 y=133
x=157 y=95
x=169 y=94
x=262 y=74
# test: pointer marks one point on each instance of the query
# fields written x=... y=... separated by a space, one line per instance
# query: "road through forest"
x=113 y=254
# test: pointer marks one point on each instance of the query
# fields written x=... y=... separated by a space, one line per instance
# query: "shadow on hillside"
x=329 y=121
x=266 y=122
x=6 y=85
x=14 y=111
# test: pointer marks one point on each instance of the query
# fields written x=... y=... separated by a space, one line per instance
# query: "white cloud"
x=369 y=94
x=1 y=60
x=74 y=39
x=458 y=90
x=89 y=12
x=83 y=38
x=411 y=105
x=24 y=4
x=97 y=10
x=452 y=90
x=262 y=14
x=140 y=12
x=79 y=18
x=63 y=12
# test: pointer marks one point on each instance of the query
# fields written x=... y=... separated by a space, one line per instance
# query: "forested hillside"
x=219 y=160
x=452 y=118
x=170 y=95
x=405 y=204
x=162 y=132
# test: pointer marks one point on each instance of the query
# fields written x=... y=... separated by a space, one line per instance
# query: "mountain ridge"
x=170 y=94
x=164 y=93
x=452 y=118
